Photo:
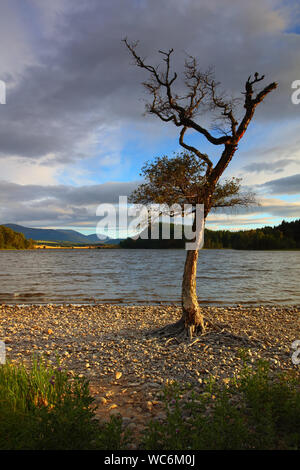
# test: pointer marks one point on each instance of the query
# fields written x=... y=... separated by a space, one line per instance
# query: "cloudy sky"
x=72 y=131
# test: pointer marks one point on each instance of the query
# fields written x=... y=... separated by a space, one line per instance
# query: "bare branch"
x=201 y=95
x=202 y=156
x=168 y=109
x=250 y=103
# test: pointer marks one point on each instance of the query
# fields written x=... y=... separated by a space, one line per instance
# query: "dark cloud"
x=287 y=185
x=63 y=194
x=73 y=92
x=272 y=167
x=63 y=205
x=60 y=205
x=83 y=80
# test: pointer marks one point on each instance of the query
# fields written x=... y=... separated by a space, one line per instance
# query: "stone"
x=126 y=420
x=131 y=426
x=113 y=406
x=102 y=400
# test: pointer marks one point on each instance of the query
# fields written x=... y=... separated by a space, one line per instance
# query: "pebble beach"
x=126 y=368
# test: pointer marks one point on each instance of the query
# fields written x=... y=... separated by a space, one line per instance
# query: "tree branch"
x=200 y=155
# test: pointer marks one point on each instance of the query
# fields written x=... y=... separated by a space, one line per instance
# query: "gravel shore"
x=107 y=343
x=101 y=340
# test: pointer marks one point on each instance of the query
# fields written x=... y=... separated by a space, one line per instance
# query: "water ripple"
x=148 y=276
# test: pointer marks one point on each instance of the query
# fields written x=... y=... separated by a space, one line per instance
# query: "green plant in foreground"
x=259 y=410
x=43 y=408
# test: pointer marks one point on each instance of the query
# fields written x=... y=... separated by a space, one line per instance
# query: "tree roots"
x=179 y=333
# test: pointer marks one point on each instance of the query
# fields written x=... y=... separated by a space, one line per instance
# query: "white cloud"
x=28 y=171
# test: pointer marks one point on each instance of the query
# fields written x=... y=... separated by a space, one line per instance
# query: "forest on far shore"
x=285 y=236
x=11 y=240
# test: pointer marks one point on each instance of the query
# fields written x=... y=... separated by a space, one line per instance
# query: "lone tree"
x=179 y=182
x=200 y=95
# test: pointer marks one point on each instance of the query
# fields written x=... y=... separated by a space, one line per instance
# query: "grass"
x=44 y=408
x=259 y=410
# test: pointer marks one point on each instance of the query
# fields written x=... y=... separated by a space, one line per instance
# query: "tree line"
x=283 y=237
x=11 y=240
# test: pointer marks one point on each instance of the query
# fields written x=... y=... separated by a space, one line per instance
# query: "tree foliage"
x=9 y=239
x=182 y=180
x=283 y=237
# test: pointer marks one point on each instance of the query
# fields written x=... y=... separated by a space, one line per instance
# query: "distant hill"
x=57 y=235
x=283 y=237
x=108 y=241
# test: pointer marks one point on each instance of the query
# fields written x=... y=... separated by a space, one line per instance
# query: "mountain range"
x=57 y=235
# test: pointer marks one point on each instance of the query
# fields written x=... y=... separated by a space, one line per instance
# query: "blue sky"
x=73 y=133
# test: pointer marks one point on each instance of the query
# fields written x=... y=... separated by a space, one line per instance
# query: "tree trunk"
x=191 y=312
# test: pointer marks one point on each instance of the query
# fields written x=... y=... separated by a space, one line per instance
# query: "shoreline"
x=82 y=334
x=106 y=343
x=158 y=303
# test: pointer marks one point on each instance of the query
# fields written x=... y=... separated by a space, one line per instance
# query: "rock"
x=131 y=426
x=126 y=421
x=156 y=402
x=101 y=400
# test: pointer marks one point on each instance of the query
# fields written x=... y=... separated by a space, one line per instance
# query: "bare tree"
x=201 y=95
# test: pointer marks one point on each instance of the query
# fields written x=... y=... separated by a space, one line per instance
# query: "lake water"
x=148 y=276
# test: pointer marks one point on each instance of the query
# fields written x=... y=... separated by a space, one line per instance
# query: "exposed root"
x=216 y=325
x=172 y=339
x=168 y=331
x=193 y=342
x=178 y=333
